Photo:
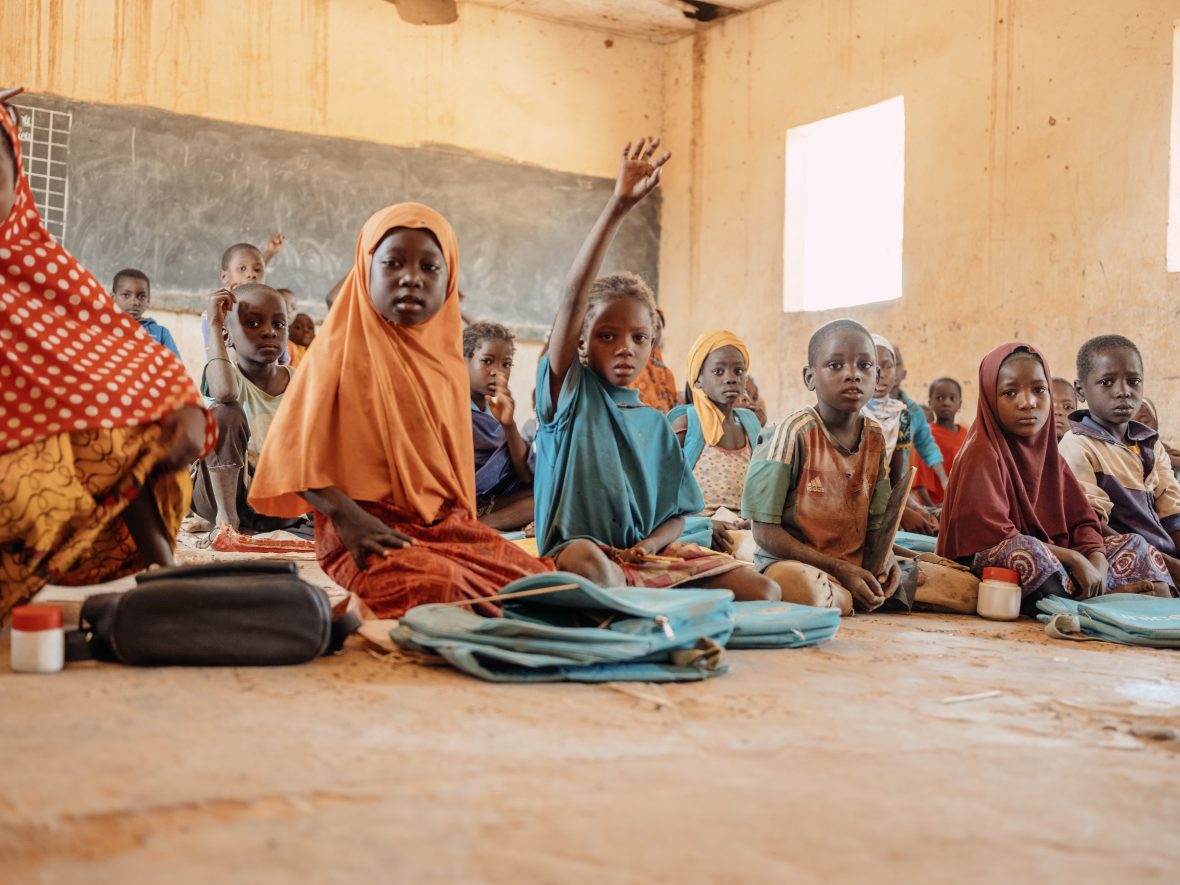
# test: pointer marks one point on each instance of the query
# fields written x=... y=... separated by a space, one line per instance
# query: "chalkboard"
x=167 y=193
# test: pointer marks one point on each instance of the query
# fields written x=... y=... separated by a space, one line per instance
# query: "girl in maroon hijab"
x=1013 y=502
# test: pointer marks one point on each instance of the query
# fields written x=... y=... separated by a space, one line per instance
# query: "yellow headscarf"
x=712 y=419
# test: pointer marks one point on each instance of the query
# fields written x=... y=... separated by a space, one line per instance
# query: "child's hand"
x=892 y=577
x=864 y=587
x=1090 y=579
x=722 y=539
x=639 y=173
x=222 y=302
x=364 y=535
x=502 y=405
x=273 y=247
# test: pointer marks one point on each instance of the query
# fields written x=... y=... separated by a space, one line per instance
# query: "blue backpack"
x=586 y=633
x=1127 y=618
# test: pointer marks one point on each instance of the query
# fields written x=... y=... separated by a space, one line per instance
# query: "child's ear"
x=809 y=377
x=1079 y=392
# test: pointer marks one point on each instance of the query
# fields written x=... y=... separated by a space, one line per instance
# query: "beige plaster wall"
x=1037 y=144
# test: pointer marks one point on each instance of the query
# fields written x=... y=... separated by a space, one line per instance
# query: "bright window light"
x=1174 y=160
x=845 y=202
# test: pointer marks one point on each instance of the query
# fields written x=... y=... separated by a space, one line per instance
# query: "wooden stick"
x=536 y=591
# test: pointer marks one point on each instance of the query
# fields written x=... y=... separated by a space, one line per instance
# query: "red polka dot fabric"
x=69 y=358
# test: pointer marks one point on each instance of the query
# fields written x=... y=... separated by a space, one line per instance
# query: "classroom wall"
x=1036 y=191
x=495 y=83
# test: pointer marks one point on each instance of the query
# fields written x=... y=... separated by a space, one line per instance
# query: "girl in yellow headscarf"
x=717 y=436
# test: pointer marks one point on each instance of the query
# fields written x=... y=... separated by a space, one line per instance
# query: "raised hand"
x=639 y=173
x=222 y=301
x=273 y=247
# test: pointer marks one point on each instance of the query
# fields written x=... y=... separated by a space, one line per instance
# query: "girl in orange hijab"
x=374 y=433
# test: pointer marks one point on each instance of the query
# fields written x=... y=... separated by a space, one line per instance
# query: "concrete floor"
x=849 y=762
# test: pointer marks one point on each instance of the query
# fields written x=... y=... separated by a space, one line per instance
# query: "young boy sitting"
x=1065 y=400
x=302 y=333
x=1122 y=464
x=132 y=291
x=503 y=460
x=243 y=393
x=818 y=484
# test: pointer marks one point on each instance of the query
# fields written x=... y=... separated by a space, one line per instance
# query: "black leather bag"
x=239 y=614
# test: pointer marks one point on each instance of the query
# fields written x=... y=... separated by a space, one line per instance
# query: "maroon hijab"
x=1002 y=485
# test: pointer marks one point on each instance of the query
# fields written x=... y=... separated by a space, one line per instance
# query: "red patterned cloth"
x=688 y=562
x=656 y=383
x=453 y=558
x=70 y=360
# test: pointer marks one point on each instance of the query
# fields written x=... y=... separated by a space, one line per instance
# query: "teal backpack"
x=1126 y=618
x=562 y=627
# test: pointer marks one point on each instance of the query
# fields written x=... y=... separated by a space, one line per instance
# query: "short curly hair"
x=1089 y=351
x=609 y=289
x=477 y=333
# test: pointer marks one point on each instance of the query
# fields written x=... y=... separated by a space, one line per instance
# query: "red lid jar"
x=34 y=618
x=1004 y=575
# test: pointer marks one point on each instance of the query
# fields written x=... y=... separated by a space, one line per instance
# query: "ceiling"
x=660 y=20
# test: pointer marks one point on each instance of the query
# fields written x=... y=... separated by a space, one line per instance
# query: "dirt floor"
x=864 y=759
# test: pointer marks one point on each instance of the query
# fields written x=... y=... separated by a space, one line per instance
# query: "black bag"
x=237 y=614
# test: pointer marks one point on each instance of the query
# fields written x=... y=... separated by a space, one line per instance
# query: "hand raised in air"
x=221 y=303
x=639 y=173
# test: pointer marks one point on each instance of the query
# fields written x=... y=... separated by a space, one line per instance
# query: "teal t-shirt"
x=609 y=468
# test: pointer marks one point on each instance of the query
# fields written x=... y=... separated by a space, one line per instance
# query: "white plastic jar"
x=38 y=641
x=999 y=595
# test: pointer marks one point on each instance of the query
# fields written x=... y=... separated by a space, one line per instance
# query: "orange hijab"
x=380 y=411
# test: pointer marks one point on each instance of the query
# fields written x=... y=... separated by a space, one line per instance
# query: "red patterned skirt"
x=453 y=558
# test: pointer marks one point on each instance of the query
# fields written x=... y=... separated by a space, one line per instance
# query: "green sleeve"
x=880 y=499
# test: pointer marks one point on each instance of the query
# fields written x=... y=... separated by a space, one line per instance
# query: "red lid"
x=1001 y=574
x=36 y=617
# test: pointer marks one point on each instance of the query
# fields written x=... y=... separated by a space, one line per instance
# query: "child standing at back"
x=612 y=486
x=132 y=291
x=818 y=485
x=1122 y=464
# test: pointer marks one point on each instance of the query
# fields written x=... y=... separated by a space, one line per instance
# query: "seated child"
x=656 y=383
x=896 y=420
x=718 y=437
x=375 y=435
x=1065 y=400
x=1122 y=464
x=243 y=263
x=132 y=291
x=752 y=400
x=946 y=398
x=924 y=444
x=292 y=309
x=1013 y=502
x=244 y=394
x=612 y=486
x=818 y=484
x=300 y=334
x=94 y=460
x=503 y=459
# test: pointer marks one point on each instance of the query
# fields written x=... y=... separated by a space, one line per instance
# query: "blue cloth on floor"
x=917 y=543
x=781 y=625
x=1126 y=618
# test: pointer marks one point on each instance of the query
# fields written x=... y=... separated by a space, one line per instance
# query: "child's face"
x=289 y=300
x=887 y=365
x=1064 y=402
x=132 y=296
x=618 y=343
x=1113 y=388
x=723 y=376
x=302 y=330
x=1023 y=401
x=408 y=279
x=945 y=401
x=1146 y=416
x=245 y=266
x=845 y=378
x=490 y=367
x=257 y=326
x=899 y=375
